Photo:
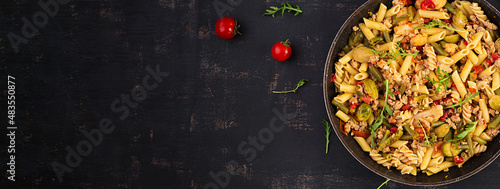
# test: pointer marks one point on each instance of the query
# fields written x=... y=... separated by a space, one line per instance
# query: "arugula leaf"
x=425 y=134
x=300 y=84
x=434 y=23
x=328 y=130
x=471 y=126
x=285 y=6
x=384 y=183
x=463 y=101
x=381 y=117
x=444 y=82
x=400 y=53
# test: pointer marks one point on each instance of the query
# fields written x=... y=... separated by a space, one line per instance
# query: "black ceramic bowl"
x=455 y=174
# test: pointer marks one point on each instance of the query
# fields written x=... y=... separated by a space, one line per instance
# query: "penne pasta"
x=361 y=76
x=466 y=70
x=375 y=25
x=439 y=168
x=348 y=88
x=366 y=31
x=476 y=39
x=487 y=37
x=479 y=128
x=350 y=69
x=344 y=97
x=426 y=159
x=341 y=115
x=381 y=12
x=433 y=14
x=364 y=145
x=444 y=60
x=346 y=58
x=459 y=84
x=436 y=37
x=393 y=11
x=459 y=55
x=473 y=57
x=484 y=109
x=385 y=47
x=464 y=34
x=406 y=65
x=363 y=67
x=482 y=56
x=399 y=143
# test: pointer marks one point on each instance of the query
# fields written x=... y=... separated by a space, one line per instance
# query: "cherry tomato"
x=226 y=28
x=282 y=51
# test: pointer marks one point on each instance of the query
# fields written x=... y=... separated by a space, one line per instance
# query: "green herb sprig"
x=328 y=129
x=381 y=117
x=384 y=183
x=400 y=53
x=285 y=6
x=300 y=84
x=444 y=82
x=463 y=101
x=435 y=23
x=425 y=134
x=464 y=133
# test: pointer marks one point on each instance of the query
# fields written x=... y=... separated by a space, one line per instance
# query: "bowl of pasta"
x=413 y=88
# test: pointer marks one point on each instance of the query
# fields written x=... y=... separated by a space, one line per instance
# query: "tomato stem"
x=286 y=43
x=236 y=31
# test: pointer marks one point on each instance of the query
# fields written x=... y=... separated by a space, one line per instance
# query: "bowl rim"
x=329 y=108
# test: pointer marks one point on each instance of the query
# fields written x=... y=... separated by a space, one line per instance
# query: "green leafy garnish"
x=285 y=6
x=381 y=117
x=425 y=134
x=444 y=82
x=471 y=126
x=384 y=183
x=400 y=53
x=328 y=129
x=434 y=23
x=463 y=101
x=300 y=84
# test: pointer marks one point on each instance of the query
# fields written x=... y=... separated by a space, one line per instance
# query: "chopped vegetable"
x=371 y=88
x=363 y=112
x=471 y=126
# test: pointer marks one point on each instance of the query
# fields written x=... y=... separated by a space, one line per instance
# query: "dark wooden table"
x=143 y=94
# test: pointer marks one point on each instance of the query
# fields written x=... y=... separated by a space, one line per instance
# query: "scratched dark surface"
x=217 y=96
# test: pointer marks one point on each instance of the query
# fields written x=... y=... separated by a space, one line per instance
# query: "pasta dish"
x=419 y=84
